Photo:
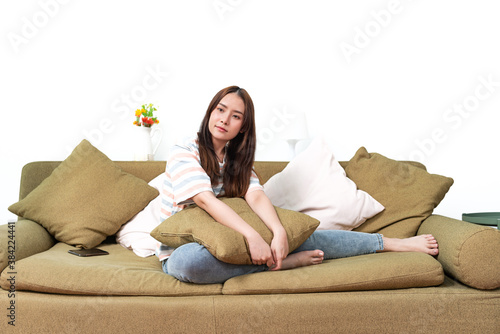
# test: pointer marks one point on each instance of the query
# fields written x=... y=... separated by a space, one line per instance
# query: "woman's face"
x=226 y=119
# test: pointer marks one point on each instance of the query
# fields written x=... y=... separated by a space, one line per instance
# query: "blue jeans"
x=193 y=263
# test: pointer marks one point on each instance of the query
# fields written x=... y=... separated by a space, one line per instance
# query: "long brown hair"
x=240 y=151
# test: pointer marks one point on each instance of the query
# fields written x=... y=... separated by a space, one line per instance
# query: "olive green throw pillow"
x=194 y=224
x=408 y=193
x=85 y=199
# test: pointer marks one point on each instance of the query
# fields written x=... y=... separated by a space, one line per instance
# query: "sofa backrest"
x=34 y=173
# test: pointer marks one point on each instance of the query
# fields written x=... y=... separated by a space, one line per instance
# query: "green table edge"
x=483 y=218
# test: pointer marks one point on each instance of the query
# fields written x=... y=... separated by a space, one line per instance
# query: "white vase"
x=144 y=149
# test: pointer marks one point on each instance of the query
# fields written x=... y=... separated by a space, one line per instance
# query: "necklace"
x=219 y=158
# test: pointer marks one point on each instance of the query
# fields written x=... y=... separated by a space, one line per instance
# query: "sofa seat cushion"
x=365 y=272
x=119 y=273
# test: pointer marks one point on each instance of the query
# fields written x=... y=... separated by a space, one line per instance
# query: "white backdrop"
x=408 y=79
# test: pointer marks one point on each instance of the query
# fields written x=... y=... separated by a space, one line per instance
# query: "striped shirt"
x=185 y=178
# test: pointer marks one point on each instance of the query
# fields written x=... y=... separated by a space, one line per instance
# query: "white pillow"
x=314 y=183
x=134 y=234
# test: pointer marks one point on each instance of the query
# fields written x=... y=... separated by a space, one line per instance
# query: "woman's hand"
x=260 y=252
x=263 y=207
x=279 y=248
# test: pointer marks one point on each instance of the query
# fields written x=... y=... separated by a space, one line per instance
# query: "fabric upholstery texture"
x=28 y=237
x=125 y=274
x=408 y=193
x=451 y=307
x=468 y=252
x=364 y=272
x=120 y=273
x=85 y=199
x=314 y=183
x=194 y=224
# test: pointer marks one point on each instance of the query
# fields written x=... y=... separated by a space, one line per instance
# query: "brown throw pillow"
x=85 y=199
x=408 y=193
x=194 y=224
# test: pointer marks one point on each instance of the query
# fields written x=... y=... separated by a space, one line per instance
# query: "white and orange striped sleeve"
x=187 y=176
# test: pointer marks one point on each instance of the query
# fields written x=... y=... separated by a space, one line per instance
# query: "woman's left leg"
x=334 y=244
x=337 y=243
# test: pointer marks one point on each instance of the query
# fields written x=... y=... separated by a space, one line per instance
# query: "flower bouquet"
x=147 y=118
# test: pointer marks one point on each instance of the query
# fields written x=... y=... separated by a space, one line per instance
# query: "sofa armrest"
x=468 y=252
x=22 y=239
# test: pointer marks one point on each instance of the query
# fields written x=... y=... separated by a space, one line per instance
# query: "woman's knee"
x=188 y=263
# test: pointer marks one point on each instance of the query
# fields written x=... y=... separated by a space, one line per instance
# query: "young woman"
x=219 y=162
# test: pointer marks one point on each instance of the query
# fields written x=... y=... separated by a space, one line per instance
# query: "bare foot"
x=302 y=259
x=424 y=243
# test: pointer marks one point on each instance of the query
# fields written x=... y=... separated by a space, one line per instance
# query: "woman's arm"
x=262 y=206
x=222 y=213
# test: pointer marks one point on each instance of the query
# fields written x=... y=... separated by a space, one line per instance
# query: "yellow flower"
x=138 y=112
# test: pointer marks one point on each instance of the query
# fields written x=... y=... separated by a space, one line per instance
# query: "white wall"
x=403 y=78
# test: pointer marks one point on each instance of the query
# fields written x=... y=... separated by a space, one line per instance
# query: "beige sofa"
x=47 y=290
